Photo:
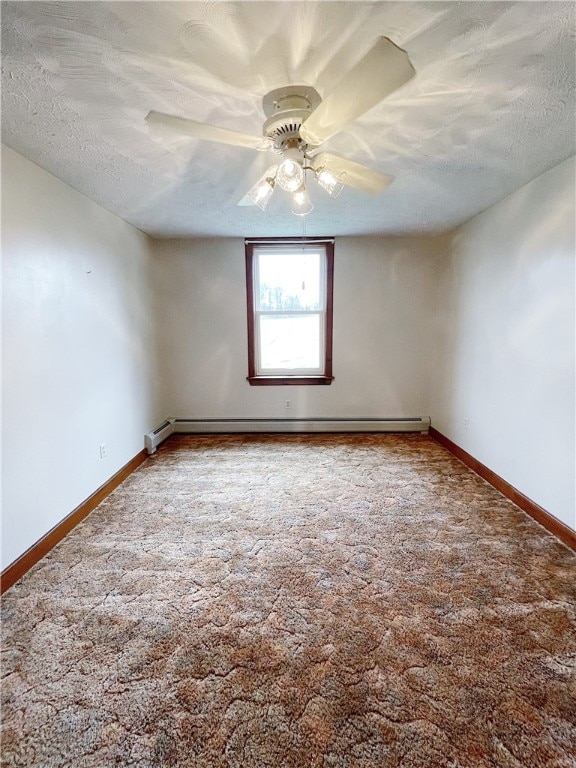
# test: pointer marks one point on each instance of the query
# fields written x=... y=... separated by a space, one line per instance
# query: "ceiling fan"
x=299 y=122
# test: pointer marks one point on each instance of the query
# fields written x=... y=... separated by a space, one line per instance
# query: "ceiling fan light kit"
x=290 y=173
x=261 y=192
x=301 y=203
x=330 y=182
x=298 y=121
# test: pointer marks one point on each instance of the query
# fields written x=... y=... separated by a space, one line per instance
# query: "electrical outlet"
x=103 y=451
x=466 y=422
x=288 y=403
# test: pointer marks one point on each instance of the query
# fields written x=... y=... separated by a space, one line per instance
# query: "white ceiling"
x=491 y=107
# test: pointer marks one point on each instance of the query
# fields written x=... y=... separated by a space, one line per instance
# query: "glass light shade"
x=261 y=192
x=301 y=203
x=332 y=183
x=290 y=175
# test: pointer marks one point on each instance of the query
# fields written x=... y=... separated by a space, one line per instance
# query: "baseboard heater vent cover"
x=211 y=426
x=153 y=439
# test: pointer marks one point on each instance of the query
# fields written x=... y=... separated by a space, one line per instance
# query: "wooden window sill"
x=263 y=381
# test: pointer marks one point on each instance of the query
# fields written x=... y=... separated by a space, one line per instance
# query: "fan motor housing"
x=286 y=109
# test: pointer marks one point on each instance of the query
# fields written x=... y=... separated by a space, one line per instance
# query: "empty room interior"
x=288 y=390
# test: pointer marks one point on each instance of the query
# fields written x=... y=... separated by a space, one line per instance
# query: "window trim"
x=256 y=379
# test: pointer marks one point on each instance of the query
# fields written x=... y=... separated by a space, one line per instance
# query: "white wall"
x=106 y=332
x=78 y=349
x=384 y=293
x=506 y=329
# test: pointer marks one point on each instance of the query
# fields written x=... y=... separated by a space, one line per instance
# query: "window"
x=289 y=292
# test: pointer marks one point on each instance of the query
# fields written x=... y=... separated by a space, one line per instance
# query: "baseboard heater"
x=224 y=426
x=153 y=439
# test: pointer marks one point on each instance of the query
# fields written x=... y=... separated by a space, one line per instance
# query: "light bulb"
x=330 y=182
x=301 y=203
x=290 y=175
x=261 y=192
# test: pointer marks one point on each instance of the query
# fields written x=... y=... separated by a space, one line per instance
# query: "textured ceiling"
x=491 y=106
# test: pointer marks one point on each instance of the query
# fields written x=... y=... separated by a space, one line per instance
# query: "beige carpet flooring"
x=295 y=602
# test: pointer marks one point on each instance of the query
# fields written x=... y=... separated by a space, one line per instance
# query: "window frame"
x=285 y=379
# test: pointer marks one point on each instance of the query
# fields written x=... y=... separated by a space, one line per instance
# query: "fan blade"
x=270 y=173
x=208 y=132
x=357 y=175
x=384 y=69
